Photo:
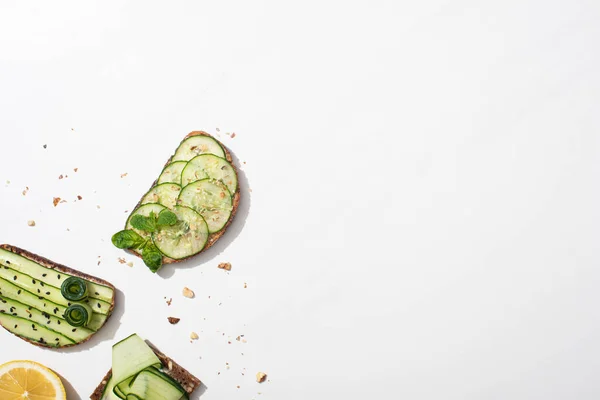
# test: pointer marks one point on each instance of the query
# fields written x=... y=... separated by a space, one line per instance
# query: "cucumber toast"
x=48 y=304
x=141 y=372
x=189 y=206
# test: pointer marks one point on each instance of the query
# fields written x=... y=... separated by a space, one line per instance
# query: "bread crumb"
x=31 y=222
x=194 y=336
x=245 y=285
x=225 y=265
x=130 y=264
x=187 y=292
x=55 y=201
x=218 y=130
x=25 y=191
x=60 y=176
x=124 y=175
x=79 y=197
x=98 y=207
x=75 y=169
x=45 y=146
x=233 y=135
x=121 y=260
x=238 y=338
x=169 y=301
x=261 y=377
x=173 y=320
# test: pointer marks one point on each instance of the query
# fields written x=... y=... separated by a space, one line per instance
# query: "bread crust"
x=212 y=239
x=187 y=381
x=59 y=267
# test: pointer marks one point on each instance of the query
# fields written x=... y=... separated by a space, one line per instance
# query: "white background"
x=420 y=211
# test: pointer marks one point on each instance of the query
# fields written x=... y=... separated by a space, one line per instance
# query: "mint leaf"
x=166 y=217
x=143 y=223
x=152 y=257
x=127 y=239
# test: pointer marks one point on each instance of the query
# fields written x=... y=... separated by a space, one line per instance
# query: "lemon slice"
x=21 y=380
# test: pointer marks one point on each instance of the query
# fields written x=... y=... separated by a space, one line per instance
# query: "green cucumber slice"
x=49 y=276
x=130 y=356
x=172 y=173
x=196 y=145
x=211 y=199
x=48 y=292
x=184 y=239
x=52 y=320
x=34 y=332
x=150 y=384
x=209 y=166
x=144 y=210
x=165 y=194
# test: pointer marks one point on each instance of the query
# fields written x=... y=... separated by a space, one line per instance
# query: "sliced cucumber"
x=165 y=194
x=130 y=356
x=186 y=238
x=52 y=320
x=172 y=173
x=34 y=332
x=151 y=384
x=144 y=210
x=49 y=276
x=211 y=199
x=209 y=166
x=39 y=289
x=196 y=145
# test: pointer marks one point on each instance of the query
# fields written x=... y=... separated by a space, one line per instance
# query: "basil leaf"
x=152 y=257
x=166 y=217
x=143 y=223
x=127 y=239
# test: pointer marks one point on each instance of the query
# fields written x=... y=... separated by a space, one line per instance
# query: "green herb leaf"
x=152 y=257
x=127 y=239
x=143 y=223
x=166 y=217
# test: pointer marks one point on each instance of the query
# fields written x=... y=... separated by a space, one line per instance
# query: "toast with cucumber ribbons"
x=189 y=206
x=141 y=372
x=48 y=304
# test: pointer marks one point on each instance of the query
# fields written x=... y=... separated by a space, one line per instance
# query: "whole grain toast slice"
x=212 y=239
x=61 y=268
x=188 y=382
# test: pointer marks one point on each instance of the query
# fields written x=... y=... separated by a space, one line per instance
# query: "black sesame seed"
x=87 y=301
x=8 y=262
x=33 y=326
x=29 y=315
x=16 y=326
x=99 y=306
x=69 y=304
x=40 y=297
x=97 y=294
x=41 y=283
x=44 y=275
x=33 y=281
x=58 y=276
x=15 y=314
x=56 y=339
x=38 y=290
x=14 y=278
x=48 y=322
x=19 y=292
x=47 y=293
x=58 y=322
x=73 y=330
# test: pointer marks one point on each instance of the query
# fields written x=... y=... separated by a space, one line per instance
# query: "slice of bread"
x=235 y=202
x=187 y=381
x=61 y=268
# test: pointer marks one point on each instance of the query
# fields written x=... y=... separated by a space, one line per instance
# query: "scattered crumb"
x=72 y=129
x=173 y=320
x=124 y=175
x=194 y=336
x=98 y=207
x=130 y=264
x=226 y=266
x=238 y=386
x=31 y=222
x=75 y=169
x=55 y=201
x=99 y=262
x=79 y=197
x=187 y=292
x=245 y=285
x=261 y=377
x=218 y=130
x=244 y=341
x=68 y=230
x=244 y=162
x=233 y=135
x=45 y=146
x=169 y=301
x=63 y=201
x=238 y=338
x=26 y=190
x=121 y=260
x=60 y=176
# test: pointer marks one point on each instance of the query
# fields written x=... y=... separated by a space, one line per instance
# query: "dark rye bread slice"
x=235 y=201
x=69 y=271
x=188 y=382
